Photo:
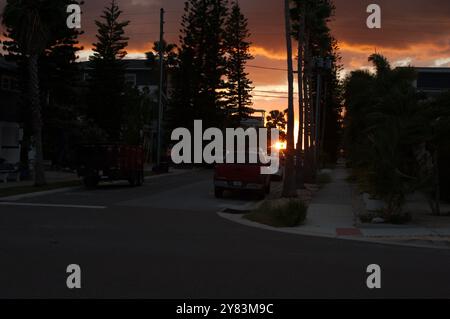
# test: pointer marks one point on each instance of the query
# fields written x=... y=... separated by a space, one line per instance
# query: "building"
x=432 y=81
x=256 y=121
x=10 y=123
x=145 y=76
x=139 y=73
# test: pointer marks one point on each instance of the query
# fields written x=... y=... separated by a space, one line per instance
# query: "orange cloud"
x=267 y=53
x=417 y=54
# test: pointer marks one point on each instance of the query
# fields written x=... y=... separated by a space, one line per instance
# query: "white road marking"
x=51 y=205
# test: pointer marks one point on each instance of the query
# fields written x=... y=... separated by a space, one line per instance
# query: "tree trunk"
x=317 y=118
x=299 y=162
x=324 y=122
x=308 y=176
x=36 y=120
x=289 y=189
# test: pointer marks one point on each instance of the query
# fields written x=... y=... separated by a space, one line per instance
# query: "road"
x=165 y=240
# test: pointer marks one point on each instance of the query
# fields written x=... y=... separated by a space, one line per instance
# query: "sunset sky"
x=413 y=32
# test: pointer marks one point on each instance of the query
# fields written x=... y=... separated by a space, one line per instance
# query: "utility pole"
x=161 y=85
x=319 y=66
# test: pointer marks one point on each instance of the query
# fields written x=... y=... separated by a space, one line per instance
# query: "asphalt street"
x=165 y=240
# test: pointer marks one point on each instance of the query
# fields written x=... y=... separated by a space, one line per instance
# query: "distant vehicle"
x=241 y=177
x=110 y=162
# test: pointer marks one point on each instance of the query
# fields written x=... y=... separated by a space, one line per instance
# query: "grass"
x=19 y=190
x=291 y=213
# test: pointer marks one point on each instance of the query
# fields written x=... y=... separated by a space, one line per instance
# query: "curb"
x=171 y=174
x=67 y=189
x=237 y=218
x=37 y=194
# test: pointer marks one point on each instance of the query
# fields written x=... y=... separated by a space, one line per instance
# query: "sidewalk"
x=332 y=214
x=330 y=211
x=62 y=182
x=52 y=177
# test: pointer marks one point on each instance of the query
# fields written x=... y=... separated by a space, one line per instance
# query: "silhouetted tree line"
x=207 y=70
x=211 y=83
x=59 y=111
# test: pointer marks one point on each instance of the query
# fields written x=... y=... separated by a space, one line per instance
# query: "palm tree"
x=277 y=119
x=289 y=189
x=169 y=51
x=381 y=64
x=314 y=39
x=25 y=24
x=386 y=127
x=299 y=168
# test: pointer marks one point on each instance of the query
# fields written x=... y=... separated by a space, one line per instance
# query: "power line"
x=265 y=68
x=272 y=92
x=270 y=96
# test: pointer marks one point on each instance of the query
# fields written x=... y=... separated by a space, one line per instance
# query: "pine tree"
x=239 y=86
x=107 y=85
x=199 y=79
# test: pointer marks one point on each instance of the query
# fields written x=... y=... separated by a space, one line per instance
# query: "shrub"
x=289 y=213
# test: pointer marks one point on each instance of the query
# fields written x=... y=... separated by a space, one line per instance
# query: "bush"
x=289 y=213
x=399 y=219
x=395 y=219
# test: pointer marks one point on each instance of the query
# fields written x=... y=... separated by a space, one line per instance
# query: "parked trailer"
x=110 y=162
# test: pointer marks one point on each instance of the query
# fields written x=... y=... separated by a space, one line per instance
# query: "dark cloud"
x=406 y=23
x=413 y=31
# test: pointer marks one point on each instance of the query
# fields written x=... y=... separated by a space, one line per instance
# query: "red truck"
x=97 y=162
x=241 y=177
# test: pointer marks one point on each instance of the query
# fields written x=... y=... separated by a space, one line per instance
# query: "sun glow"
x=280 y=145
